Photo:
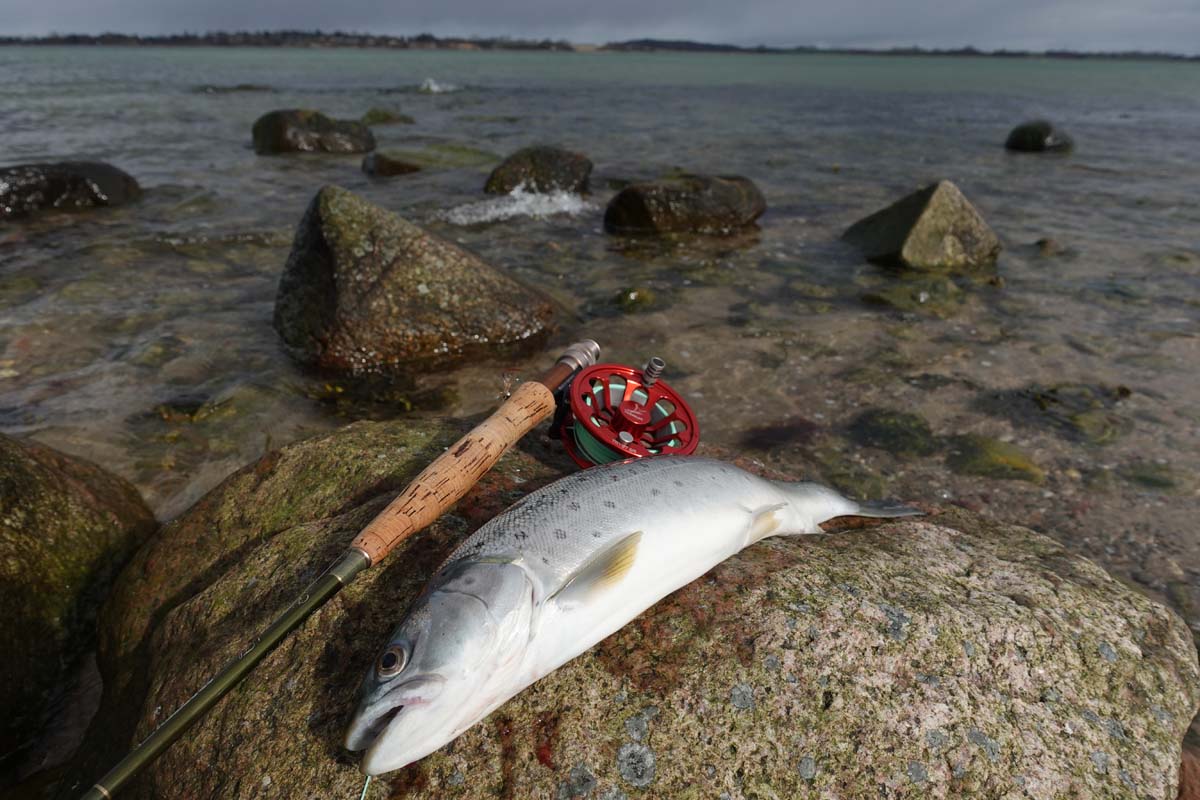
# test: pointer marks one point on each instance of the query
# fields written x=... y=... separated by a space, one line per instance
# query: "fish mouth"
x=367 y=728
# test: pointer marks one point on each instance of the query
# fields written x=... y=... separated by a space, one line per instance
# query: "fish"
x=557 y=572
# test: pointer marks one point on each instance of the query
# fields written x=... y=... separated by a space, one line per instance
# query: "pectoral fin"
x=602 y=571
x=764 y=521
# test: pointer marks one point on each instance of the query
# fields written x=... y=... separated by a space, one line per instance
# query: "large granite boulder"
x=66 y=526
x=541 y=169
x=934 y=229
x=66 y=185
x=1038 y=136
x=299 y=130
x=686 y=203
x=365 y=291
x=942 y=657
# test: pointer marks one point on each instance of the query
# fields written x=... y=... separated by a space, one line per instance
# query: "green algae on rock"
x=541 y=169
x=936 y=296
x=383 y=165
x=299 y=130
x=898 y=432
x=365 y=291
x=935 y=229
x=445 y=155
x=974 y=454
x=937 y=658
x=385 y=116
x=635 y=298
x=1085 y=412
x=66 y=527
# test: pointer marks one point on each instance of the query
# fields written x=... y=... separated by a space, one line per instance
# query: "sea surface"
x=141 y=337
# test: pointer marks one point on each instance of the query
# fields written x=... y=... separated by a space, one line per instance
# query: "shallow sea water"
x=141 y=337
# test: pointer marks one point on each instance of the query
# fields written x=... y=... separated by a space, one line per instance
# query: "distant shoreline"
x=425 y=41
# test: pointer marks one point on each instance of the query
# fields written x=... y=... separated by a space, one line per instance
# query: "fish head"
x=458 y=647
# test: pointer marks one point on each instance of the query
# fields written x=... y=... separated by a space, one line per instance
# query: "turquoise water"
x=141 y=337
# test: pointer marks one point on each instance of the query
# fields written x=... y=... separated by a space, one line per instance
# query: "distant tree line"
x=430 y=42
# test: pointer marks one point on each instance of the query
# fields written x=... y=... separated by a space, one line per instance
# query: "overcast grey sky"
x=1171 y=25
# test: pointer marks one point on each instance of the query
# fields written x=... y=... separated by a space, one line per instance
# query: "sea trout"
x=556 y=573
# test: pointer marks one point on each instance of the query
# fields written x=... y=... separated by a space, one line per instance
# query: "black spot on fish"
x=678 y=483
x=597 y=534
x=559 y=533
x=616 y=478
x=656 y=492
x=609 y=504
x=545 y=561
x=573 y=506
x=522 y=535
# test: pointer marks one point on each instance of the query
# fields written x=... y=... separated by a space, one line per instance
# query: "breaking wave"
x=430 y=86
x=517 y=203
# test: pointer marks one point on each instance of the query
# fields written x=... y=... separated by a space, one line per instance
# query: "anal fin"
x=604 y=570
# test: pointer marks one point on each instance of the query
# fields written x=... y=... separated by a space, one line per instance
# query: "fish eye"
x=392 y=661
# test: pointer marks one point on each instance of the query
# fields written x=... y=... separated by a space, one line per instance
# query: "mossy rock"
x=938 y=297
x=66 y=527
x=445 y=155
x=898 y=432
x=982 y=455
x=385 y=165
x=385 y=116
x=1084 y=412
x=541 y=169
x=935 y=229
x=1150 y=475
x=947 y=657
x=636 y=298
x=26 y=189
x=1038 y=136
x=365 y=291
x=709 y=204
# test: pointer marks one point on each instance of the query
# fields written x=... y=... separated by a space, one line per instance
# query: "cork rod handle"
x=454 y=472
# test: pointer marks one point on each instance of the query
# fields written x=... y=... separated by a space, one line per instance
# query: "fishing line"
x=365 y=785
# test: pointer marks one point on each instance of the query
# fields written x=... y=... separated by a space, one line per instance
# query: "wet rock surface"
x=1038 y=136
x=66 y=527
x=942 y=657
x=301 y=130
x=385 y=116
x=365 y=291
x=934 y=229
x=541 y=169
x=26 y=189
x=685 y=204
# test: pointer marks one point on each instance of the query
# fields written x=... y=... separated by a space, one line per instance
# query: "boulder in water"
x=300 y=130
x=66 y=527
x=541 y=169
x=934 y=229
x=366 y=291
x=686 y=204
x=1037 y=136
x=943 y=657
x=385 y=116
x=65 y=186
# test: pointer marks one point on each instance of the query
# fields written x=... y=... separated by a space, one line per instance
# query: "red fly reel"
x=614 y=412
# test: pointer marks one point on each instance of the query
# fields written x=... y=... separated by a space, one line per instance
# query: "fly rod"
x=439 y=486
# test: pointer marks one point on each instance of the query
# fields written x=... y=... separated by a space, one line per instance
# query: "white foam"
x=518 y=203
x=430 y=86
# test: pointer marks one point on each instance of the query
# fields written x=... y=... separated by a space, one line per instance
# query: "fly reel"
x=610 y=412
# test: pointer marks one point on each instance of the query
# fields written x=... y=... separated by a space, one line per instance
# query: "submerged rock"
x=66 y=527
x=897 y=432
x=364 y=291
x=635 y=298
x=982 y=455
x=385 y=116
x=936 y=295
x=299 y=130
x=686 y=203
x=944 y=657
x=1037 y=136
x=541 y=169
x=935 y=229
x=383 y=165
x=65 y=186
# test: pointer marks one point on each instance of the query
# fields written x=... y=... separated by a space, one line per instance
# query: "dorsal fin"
x=601 y=571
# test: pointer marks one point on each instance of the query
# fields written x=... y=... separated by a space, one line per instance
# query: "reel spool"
x=611 y=412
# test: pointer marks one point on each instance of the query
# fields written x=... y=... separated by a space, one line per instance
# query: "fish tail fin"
x=880 y=510
x=811 y=504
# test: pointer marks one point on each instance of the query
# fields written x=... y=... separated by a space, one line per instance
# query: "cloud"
x=1172 y=25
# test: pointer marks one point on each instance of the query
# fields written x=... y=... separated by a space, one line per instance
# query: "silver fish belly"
x=556 y=573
